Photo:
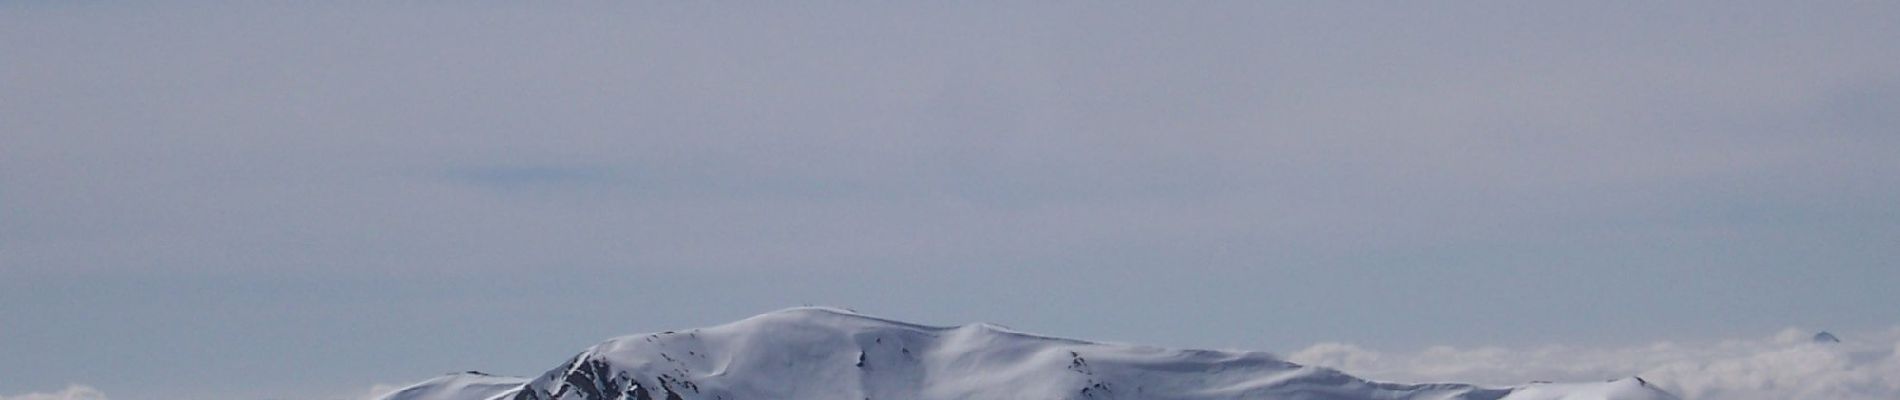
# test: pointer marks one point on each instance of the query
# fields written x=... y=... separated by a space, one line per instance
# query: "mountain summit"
x=830 y=354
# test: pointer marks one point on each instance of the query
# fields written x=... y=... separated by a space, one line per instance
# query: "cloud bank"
x=1788 y=365
x=71 y=392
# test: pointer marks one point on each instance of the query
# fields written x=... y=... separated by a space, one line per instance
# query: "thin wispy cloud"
x=519 y=177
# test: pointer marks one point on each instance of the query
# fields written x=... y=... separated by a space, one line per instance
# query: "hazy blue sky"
x=212 y=200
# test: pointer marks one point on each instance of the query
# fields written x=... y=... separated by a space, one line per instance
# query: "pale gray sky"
x=225 y=200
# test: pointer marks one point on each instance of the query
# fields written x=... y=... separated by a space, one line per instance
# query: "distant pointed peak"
x=1825 y=337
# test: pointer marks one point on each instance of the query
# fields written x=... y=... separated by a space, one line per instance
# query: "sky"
x=258 y=200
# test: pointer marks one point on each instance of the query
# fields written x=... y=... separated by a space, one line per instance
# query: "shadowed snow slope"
x=821 y=353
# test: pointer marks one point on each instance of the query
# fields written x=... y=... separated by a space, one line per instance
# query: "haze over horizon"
x=200 y=190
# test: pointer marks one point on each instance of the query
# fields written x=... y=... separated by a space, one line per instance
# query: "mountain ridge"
x=829 y=353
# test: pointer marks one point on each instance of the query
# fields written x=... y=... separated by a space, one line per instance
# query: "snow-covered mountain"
x=831 y=354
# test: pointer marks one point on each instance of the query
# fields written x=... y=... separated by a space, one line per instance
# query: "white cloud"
x=1784 y=366
x=72 y=392
x=379 y=390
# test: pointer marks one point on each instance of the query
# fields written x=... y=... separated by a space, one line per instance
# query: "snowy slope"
x=1621 y=389
x=822 y=353
x=462 y=386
